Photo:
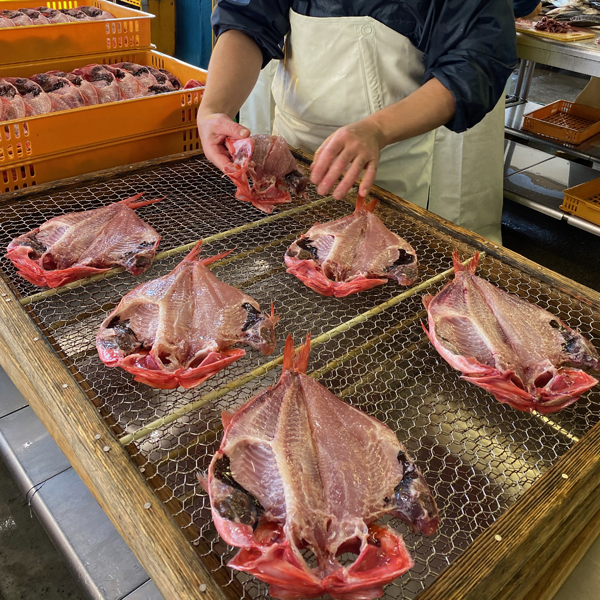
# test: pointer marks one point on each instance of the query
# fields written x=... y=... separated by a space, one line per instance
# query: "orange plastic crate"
x=584 y=201
x=130 y=30
x=564 y=121
x=43 y=135
x=27 y=173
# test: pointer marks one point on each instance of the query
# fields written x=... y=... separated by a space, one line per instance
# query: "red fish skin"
x=352 y=254
x=275 y=449
x=76 y=245
x=268 y=162
x=517 y=351
x=178 y=330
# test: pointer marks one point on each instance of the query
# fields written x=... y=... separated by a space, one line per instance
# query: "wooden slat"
x=544 y=573
x=556 y=574
x=101 y=462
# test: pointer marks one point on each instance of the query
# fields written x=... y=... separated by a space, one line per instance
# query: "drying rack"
x=514 y=489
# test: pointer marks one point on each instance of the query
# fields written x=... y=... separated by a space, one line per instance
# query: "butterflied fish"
x=515 y=350
x=79 y=244
x=179 y=329
x=351 y=254
x=297 y=469
x=266 y=161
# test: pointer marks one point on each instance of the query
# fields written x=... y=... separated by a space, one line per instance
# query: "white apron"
x=467 y=175
x=339 y=70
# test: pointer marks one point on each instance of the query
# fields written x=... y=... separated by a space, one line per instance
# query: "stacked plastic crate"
x=57 y=145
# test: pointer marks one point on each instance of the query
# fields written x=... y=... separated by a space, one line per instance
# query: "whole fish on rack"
x=79 y=244
x=178 y=330
x=298 y=469
x=351 y=254
x=268 y=162
x=515 y=350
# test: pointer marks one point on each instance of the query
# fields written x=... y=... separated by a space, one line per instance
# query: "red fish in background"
x=76 y=245
x=299 y=468
x=509 y=347
x=351 y=254
x=268 y=162
x=178 y=330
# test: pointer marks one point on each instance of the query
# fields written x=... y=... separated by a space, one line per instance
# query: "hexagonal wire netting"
x=477 y=455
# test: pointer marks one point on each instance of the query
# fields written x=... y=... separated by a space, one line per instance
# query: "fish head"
x=258 y=330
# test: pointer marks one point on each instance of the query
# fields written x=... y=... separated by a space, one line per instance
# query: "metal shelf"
x=537 y=180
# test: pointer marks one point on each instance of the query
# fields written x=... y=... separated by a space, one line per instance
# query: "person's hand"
x=214 y=129
x=350 y=149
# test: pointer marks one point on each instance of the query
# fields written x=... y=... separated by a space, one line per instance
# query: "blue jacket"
x=468 y=45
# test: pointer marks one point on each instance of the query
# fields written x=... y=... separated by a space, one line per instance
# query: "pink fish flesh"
x=299 y=468
x=12 y=105
x=37 y=102
x=179 y=329
x=79 y=244
x=35 y=15
x=18 y=18
x=354 y=253
x=104 y=81
x=62 y=93
x=268 y=162
x=511 y=348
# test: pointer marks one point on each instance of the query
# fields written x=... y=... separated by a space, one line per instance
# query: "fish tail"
x=193 y=255
x=471 y=266
x=303 y=354
x=211 y=259
x=288 y=354
x=361 y=203
x=293 y=362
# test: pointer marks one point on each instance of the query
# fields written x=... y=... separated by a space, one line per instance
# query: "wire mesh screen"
x=477 y=455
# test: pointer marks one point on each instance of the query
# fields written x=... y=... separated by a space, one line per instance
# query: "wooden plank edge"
x=525 y=528
x=101 y=462
x=542 y=575
x=558 y=571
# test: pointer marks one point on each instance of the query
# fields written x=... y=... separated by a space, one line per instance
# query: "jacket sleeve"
x=472 y=50
x=524 y=7
x=265 y=21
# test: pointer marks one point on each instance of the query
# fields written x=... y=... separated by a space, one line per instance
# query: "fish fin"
x=203 y=481
x=131 y=199
x=274 y=318
x=130 y=202
x=302 y=359
x=288 y=354
x=226 y=418
x=195 y=252
x=471 y=266
x=370 y=207
x=211 y=259
x=361 y=203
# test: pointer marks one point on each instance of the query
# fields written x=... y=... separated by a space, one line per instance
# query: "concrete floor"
x=31 y=568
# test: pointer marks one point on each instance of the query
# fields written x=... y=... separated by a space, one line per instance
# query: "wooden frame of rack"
x=506 y=561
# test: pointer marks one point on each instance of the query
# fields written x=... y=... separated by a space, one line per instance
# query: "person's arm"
x=470 y=50
x=356 y=147
x=233 y=70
